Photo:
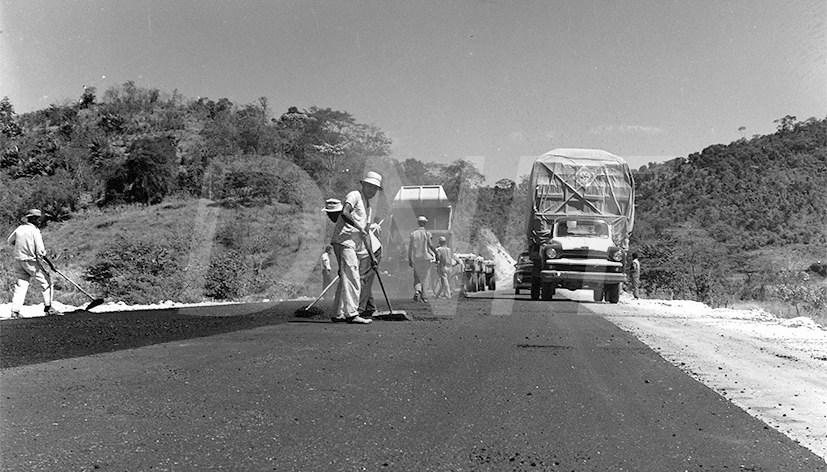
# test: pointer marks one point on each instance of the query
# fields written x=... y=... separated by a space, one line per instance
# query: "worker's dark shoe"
x=367 y=314
x=358 y=320
x=15 y=315
x=338 y=319
x=50 y=311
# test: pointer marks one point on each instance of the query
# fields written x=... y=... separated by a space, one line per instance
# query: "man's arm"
x=39 y=247
x=349 y=218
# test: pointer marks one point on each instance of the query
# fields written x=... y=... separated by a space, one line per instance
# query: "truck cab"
x=581 y=255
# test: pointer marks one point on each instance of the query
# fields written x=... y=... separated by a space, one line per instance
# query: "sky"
x=494 y=82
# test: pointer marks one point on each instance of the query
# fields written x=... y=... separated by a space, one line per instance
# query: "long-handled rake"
x=305 y=312
x=95 y=301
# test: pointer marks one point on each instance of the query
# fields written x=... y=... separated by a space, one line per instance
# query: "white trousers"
x=422 y=269
x=25 y=271
x=349 y=287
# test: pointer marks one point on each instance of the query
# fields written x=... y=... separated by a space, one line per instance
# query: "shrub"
x=140 y=269
x=225 y=278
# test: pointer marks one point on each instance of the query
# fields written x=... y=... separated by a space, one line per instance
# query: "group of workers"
x=355 y=243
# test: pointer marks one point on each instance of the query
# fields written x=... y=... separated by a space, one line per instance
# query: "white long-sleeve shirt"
x=27 y=242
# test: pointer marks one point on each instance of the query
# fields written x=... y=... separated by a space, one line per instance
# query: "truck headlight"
x=551 y=253
x=616 y=255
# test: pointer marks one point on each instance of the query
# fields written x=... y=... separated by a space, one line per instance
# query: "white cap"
x=421 y=219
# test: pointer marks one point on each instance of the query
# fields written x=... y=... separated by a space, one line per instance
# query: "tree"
x=88 y=97
x=786 y=124
x=8 y=120
x=148 y=173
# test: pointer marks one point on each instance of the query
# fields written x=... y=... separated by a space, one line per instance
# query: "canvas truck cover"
x=580 y=182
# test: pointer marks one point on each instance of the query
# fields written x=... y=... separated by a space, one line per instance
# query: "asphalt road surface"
x=487 y=383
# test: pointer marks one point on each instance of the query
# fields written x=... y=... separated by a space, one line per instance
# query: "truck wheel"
x=535 y=289
x=516 y=291
x=548 y=291
x=613 y=293
x=598 y=294
x=492 y=285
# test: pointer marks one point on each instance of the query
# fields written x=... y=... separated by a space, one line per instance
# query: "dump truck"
x=410 y=202
x=580 y=217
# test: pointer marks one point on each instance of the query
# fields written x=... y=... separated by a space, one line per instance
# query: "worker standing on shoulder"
x=634 y=276
x=28 y=250
x=420 y=258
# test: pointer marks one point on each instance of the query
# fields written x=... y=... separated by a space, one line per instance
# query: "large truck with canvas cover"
x=580 y=217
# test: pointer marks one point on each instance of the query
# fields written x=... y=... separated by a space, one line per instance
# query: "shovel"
x=95 y=301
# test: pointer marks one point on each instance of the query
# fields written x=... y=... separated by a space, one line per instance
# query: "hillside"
x=766 y=191
x=142 y=186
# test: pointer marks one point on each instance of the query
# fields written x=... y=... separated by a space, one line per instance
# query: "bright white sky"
x=497 y=82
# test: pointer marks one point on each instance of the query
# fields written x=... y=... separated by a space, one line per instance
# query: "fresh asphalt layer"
x=484 y=383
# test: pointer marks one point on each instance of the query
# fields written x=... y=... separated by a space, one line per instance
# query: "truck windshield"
x=582 y=228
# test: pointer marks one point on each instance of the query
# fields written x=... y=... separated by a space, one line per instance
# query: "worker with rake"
x=351 y=244
x=28 y=251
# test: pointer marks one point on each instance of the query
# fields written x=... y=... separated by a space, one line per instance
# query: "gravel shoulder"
x=775 y=369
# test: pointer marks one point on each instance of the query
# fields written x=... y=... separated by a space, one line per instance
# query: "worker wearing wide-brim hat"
x=28 y=250
x=420 y=256
x=351 y=234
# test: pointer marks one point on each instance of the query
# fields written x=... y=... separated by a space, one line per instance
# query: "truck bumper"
x=585 y=279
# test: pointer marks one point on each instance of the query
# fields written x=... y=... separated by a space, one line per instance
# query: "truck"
x=580 y=217
x=410 y=202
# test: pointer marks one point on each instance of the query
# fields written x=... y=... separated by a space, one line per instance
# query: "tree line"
x=707 y=224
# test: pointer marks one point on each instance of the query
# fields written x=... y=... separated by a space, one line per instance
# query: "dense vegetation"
x=229 y=194
x=743 y=221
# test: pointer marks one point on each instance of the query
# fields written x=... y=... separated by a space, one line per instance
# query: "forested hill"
x=766 y=191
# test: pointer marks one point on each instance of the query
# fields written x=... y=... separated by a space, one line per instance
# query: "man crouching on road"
x=28 y=250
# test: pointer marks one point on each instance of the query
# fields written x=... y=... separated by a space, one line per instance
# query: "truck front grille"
x=583 y=254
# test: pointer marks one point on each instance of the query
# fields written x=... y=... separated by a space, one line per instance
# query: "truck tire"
x=548 y=291
x=598 y=294
x=516 y=291
x=492 y=285
x=535 y=289
x=613 y=293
